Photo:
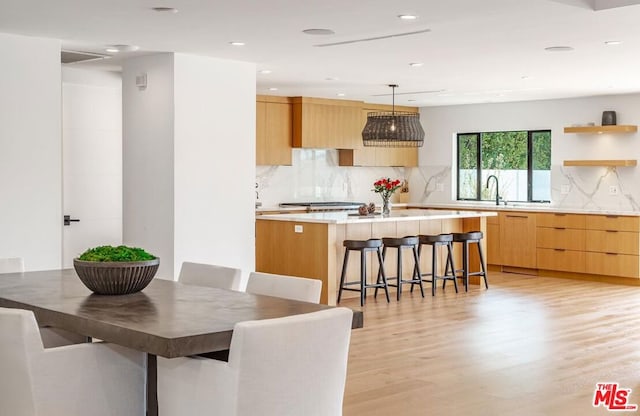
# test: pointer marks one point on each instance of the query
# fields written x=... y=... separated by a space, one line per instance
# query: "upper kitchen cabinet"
x=274 y=130
x=360 y=155
x=326 y=124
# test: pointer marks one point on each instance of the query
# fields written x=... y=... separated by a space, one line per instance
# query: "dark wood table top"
x=167 y=318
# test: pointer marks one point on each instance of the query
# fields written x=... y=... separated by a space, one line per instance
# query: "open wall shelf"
x=608 y=163
x=602 y=129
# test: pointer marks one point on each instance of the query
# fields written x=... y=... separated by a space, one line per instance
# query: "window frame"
x=530 y=134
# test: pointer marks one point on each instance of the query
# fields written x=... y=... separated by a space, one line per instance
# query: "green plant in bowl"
x=120 y=253
x=108 y=270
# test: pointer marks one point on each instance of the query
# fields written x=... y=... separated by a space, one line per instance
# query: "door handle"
x=67 y=220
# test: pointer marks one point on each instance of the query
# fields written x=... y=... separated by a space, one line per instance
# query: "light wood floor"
x=527 y=346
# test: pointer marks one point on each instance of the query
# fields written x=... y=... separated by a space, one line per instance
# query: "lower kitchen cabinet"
x=518 y=239
x=604 y=245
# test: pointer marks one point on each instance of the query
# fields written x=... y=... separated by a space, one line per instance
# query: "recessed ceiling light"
x=165 y=9
x=525 y=77
x=235 y=43
x=416 y=64
x=407 y=17
x=613 y=42
x=264 y=71
x=273 y=89
x=411 y=100
x=331 y=79
x=341 y=94
x=558 y=49
x=322 y=32
x=121 y=48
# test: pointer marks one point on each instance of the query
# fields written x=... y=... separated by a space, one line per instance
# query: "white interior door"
x=92 y=160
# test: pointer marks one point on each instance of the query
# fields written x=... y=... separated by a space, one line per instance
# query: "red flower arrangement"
x=386 y=187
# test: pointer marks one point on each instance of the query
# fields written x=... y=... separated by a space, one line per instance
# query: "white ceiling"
x=476 y=51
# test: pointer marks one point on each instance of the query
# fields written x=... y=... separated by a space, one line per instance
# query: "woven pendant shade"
x=393 y=129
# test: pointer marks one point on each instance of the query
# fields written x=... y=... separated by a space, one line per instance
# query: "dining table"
x=166 y=319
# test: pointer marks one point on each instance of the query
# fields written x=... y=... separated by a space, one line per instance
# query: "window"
x=521 y=160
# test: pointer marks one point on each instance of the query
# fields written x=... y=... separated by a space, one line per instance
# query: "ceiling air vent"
x=71 y=57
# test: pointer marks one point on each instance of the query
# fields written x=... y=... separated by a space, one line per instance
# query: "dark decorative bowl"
x=116 y=278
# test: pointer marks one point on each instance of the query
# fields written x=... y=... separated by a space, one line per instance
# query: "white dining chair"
x=289 y=287
x=97 y=379
x=51 y=337
x=288 y=366
x=210 y=275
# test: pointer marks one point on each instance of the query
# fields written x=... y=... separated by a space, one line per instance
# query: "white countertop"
x=529 y=207
x=343 y=217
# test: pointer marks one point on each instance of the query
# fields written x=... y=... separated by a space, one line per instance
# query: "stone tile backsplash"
x=316 y=176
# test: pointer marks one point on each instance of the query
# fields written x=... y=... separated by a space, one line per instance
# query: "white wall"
x=148 y=141
x=189 y=160
x=214 y=161
x=92 y=159
x=588 y=187
x=30 y=151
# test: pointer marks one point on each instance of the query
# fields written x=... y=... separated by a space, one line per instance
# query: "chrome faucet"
x=497 y=188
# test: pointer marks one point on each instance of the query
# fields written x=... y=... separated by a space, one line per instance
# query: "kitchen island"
x=310 y=244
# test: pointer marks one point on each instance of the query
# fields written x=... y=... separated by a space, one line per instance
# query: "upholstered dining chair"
x=289 y=287
x=51 y=337
x=199 y=274
x=97 y=379
x=288 y=366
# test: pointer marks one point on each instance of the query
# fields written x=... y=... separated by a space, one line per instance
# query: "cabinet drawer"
x=620 y=242
x=561 y=260
x=565 y=238
x=493 y=220
x=561 y=220
x=613 y=222
x=621 y=265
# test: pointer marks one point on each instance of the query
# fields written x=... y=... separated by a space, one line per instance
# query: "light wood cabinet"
x=620 y=242
x=360 y=155
x=560 y=238
x=606 y=245
x=612 y=264
x=274 y=129
x=518 y=239
x=560 y=220
x=326 y=124
x=494 y=251
x=561 y=259
x=614 y=223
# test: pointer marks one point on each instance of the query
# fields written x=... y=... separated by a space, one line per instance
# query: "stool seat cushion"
x=362 y=244
x=470 y=236
x=440 y=238
x=400 y=242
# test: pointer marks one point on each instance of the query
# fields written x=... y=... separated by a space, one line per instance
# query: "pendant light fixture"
x=393 y=128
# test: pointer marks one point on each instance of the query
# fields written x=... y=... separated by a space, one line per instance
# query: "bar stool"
x=363 y=246
x=400 y=243
x=436 y=241
x=473 y=237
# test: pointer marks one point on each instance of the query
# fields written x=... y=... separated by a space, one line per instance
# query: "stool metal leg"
x=465 y=265
x=434 y=268
x=382 y=276
x=363 y=277
x=344 y=272
x=482 y=264
x=416 y=272
x=399 y=271
x=453 y=268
